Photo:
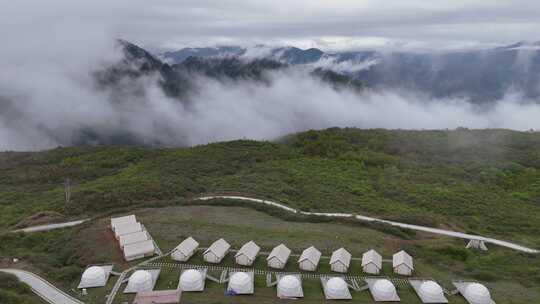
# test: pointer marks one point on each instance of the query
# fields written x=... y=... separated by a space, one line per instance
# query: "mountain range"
x=476 y=75
x=178 y=79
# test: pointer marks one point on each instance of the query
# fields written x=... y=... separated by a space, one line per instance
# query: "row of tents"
x=142 y=283
x=133 y=238
x=402 y=262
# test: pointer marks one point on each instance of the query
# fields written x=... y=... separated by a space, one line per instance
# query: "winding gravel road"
x=51 y=226
x=371 y=219
x=42 y=288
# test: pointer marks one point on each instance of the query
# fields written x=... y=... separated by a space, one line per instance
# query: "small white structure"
x=371 y=262
x=340 y=260
x=95 y=276
x=476 y=244
x=402 y=263
x=192 y=280
x=382 y=290
x=217 y=251
x=139 y=250
x=428 y=291
x=289 y=286
x=171 y=296
x=309 y=259
x=185 y=250
x=335 y=288
x=474 y=293
x=247 y=254
x=241 y=283
x=142 y=280
x=128 y=219
x=278 y=257
x=131 y=238
x=127 y=229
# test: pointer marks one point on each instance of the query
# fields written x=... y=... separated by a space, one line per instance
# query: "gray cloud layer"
x=331 y=25
x=49 y=48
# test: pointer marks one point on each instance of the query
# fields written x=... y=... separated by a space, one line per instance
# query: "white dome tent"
x=192 y=280
x=474 y=293
x=95 y=276
x=336 y=289
x=382 y=290
x=477 y=294
x=289 y=286
x=241 y=282
x=428 y=291
x=142 y=280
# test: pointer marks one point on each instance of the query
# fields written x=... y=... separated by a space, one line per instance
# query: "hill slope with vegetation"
x=478 y=181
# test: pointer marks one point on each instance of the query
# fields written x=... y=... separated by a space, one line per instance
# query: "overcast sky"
x=335 y=24
x=50 y=49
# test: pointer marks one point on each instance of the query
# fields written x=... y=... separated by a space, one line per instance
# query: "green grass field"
x=14 y=292
x=478 y=181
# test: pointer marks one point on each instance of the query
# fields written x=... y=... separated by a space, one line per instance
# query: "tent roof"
x=249 y=249
x=219 y=248
x=342 y=256
x=281 y=252
x=187 y=246
x=115 y=221
x=402 y=257
x=128 y=228
x=135 y=237
x=311 y=254
x=139 y=248
x=372 y=256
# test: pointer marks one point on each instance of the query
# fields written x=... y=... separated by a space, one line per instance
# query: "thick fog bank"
x=58 y=104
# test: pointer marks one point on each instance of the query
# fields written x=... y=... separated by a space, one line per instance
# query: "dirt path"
x=43 y=288
x=51 y=226
x=371 y=219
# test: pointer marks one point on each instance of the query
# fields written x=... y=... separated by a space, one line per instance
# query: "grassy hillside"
x=61 y=255
x=480 y=181
x=12 y=291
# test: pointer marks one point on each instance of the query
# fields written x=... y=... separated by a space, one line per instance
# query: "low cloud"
x=67 y=108
x=345 y=66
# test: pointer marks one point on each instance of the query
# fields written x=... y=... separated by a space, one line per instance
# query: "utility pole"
x=67 y=189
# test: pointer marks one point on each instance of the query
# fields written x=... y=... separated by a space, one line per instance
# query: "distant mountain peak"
x=522 y=45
